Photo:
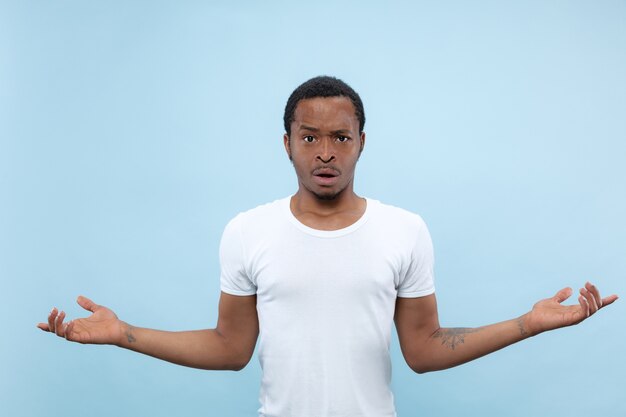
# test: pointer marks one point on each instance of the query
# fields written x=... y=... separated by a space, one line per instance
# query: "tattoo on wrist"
x=129 y=334
x=451 y=338
x=520 y=326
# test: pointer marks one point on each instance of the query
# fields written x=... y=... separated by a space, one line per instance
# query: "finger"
x=68 y=330
x=584 y=305
x=58 y=325
x=51 y=317
x=43 y=326
x=87 y=304
x=596 y=294
x=609 y=300
x=593 y=307
x=562 y=295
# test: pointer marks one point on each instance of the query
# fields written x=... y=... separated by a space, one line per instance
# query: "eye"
x=342 y=139
x=308 y=139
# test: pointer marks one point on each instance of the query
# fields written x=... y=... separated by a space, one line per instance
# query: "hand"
x=102 y=327
x=549 y=314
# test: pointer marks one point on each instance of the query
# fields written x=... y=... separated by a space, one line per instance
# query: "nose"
x=326 y=151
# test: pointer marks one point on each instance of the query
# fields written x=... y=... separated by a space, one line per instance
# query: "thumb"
x=562 y=295
x=87 y=304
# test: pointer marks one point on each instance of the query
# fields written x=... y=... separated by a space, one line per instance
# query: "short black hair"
x=323 y=86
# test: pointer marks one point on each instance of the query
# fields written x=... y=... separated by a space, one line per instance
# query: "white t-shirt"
x=325 y=302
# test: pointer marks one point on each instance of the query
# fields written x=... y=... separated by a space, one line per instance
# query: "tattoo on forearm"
x=520 y=326
x=453 y=337
x=129 y=334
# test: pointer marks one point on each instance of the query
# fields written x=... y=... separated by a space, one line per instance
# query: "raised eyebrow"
x=345 y=132
x=312 y=129
x=341 y=132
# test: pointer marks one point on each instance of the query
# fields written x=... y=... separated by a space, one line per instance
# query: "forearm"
x=204 y=349
x=449 y=347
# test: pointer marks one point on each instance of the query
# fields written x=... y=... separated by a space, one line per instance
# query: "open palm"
x=550 y=314
x=102 y=327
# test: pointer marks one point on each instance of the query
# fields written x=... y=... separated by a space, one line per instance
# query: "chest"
x=306 y=268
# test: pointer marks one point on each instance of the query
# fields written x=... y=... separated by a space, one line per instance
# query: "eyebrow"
x=312 y=129
x=341 y=132
x=334 y=132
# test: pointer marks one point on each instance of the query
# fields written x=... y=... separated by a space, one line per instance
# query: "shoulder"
x=264 y=215
x=394 y=216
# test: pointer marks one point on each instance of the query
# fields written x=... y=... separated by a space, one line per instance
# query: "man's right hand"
x=102 y=327
x=227 y=347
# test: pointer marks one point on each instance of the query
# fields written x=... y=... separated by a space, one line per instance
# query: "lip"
x=324 y=181
x=326 y=171
x=325 y=176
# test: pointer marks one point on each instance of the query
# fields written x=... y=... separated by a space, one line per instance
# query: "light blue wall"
x=131 y=132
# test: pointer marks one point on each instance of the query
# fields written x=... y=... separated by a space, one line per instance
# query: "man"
x=322 y=275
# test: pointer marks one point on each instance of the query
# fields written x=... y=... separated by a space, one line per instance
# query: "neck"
x=306 y=201
x=333 y=214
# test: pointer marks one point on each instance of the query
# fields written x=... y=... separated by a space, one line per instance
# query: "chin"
x=326 y=197
x=324 y=194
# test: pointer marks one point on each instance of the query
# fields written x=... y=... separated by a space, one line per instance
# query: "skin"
x=325 y=135
x=325 y=141
x=227 y=347
x=427 y=347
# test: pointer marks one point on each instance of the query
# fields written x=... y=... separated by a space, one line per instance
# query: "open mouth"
x=326 y=172
x=326 y=176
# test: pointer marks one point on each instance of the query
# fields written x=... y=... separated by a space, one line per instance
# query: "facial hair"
x=326 y=197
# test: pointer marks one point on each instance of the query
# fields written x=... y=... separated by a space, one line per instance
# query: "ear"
x=287 y=144
x=362 y=142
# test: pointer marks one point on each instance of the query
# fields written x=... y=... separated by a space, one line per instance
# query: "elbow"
x=240 y=364
x=420 y=369
x=224 y=366
x=237 y=368
x=420 y=366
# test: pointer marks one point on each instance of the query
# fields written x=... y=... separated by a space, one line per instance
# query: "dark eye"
x=342 y=139
x=308 y=139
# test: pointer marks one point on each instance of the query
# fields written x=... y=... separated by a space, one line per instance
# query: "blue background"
x=131 y=132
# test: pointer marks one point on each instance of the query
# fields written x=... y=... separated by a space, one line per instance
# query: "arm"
x=428 y=347
x=227 y=347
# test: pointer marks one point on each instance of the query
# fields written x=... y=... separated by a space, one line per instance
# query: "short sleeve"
x=419 y=278
x=233 y=277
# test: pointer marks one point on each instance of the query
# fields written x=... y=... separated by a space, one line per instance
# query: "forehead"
x=326 y=112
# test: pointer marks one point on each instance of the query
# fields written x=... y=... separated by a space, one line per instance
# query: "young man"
x=322 y=275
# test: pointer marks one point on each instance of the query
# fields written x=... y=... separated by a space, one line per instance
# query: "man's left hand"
x=550 y=314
